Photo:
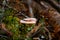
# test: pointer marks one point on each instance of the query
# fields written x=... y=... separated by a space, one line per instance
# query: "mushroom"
x=28 y=20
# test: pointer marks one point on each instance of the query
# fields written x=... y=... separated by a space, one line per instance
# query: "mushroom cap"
x=29 y=20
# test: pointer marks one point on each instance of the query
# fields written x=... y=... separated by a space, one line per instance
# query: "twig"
x=3 y=28
x=3 y=36
x=30 y=8
x=50 y=38
x=15 y=10
x=34 y=30
x=52 y=3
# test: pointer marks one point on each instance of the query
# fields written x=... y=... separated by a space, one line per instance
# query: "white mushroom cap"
x=29 y=20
